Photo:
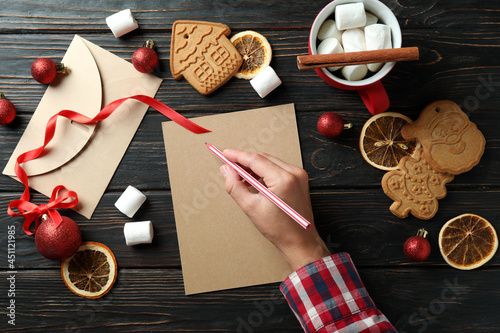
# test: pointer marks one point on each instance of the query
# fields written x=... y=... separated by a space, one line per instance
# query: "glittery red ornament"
x=57 y=243
x=145 y=58
x=417 y=248
x=45 y=70
x=330 y=125
x=7 y=111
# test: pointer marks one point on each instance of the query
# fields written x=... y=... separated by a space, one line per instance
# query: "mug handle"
x=375 y=98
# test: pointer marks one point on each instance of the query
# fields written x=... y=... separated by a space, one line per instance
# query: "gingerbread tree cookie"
x=201 y=52
x=452 y=144
x=415 y=186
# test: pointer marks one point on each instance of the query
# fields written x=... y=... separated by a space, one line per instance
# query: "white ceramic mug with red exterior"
x=370 y=89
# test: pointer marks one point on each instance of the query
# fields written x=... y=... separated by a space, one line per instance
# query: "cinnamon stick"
x=357 y=58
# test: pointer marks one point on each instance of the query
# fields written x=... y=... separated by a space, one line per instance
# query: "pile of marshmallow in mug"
x=346 y=34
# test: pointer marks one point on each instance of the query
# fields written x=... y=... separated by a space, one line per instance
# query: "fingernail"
x=223 y=170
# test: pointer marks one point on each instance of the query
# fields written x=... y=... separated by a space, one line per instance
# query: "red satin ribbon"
x=32 y=212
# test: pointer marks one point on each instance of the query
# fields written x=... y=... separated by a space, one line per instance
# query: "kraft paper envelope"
x=82 y=157
x=219 y=246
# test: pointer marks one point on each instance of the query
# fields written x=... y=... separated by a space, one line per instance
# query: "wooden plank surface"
x=459 y=43
x=355 y=221
x=151 y=300
x=324 y=159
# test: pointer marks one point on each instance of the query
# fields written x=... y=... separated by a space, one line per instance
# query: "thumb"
x=235 y=187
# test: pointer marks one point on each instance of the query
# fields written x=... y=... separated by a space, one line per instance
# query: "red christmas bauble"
x=58 y=243
x=145 y=60
x=7 y=111
x=330 y=125
x=417 y=248
x=44 y=70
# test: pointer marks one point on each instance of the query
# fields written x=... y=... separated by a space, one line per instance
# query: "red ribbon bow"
x=32 y=212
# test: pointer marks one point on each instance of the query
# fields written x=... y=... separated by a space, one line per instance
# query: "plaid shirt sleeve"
x=328 y=296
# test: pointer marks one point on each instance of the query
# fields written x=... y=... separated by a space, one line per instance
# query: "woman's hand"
x=298 y=246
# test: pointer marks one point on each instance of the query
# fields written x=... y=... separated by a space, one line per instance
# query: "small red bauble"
x=45 y=70
x=145 y=58
x=7 y=111
x=417 y=248
x=330 y=125
x=57 y=243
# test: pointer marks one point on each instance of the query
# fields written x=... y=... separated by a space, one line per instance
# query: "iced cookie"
x=415 y=187
x=201 y=53
x=452 y=144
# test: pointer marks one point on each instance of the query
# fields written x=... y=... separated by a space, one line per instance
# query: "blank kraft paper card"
x=219 y=246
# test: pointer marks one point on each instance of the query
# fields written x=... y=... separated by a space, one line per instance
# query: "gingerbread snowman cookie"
x=451 y=142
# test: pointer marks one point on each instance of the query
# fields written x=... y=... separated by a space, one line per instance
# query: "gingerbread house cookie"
x=202 y=54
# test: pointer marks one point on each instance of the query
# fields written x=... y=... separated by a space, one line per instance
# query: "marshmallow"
x=121 y=23
x=138 y=232
x=353 y=40
x=330 y=46
x=329 y=30
x=130 y=201
x=351 y=15
x=354 y=72
x=370 y=19
x=265 y=82
x=377 y=37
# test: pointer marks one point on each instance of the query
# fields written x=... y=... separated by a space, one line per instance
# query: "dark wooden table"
x=459 y=42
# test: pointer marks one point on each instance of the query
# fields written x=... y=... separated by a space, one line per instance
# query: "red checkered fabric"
x=328 y=296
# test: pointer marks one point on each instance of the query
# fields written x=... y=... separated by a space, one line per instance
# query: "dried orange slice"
x=467 y=241
x=256 y=52
x=381 y=142
x=91 y=271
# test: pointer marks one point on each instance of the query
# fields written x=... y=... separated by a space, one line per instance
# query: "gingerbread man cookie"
x=415 y=187
x=452 y=144
x=202 y=54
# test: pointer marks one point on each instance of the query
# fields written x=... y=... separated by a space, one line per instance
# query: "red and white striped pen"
x=261 y=188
